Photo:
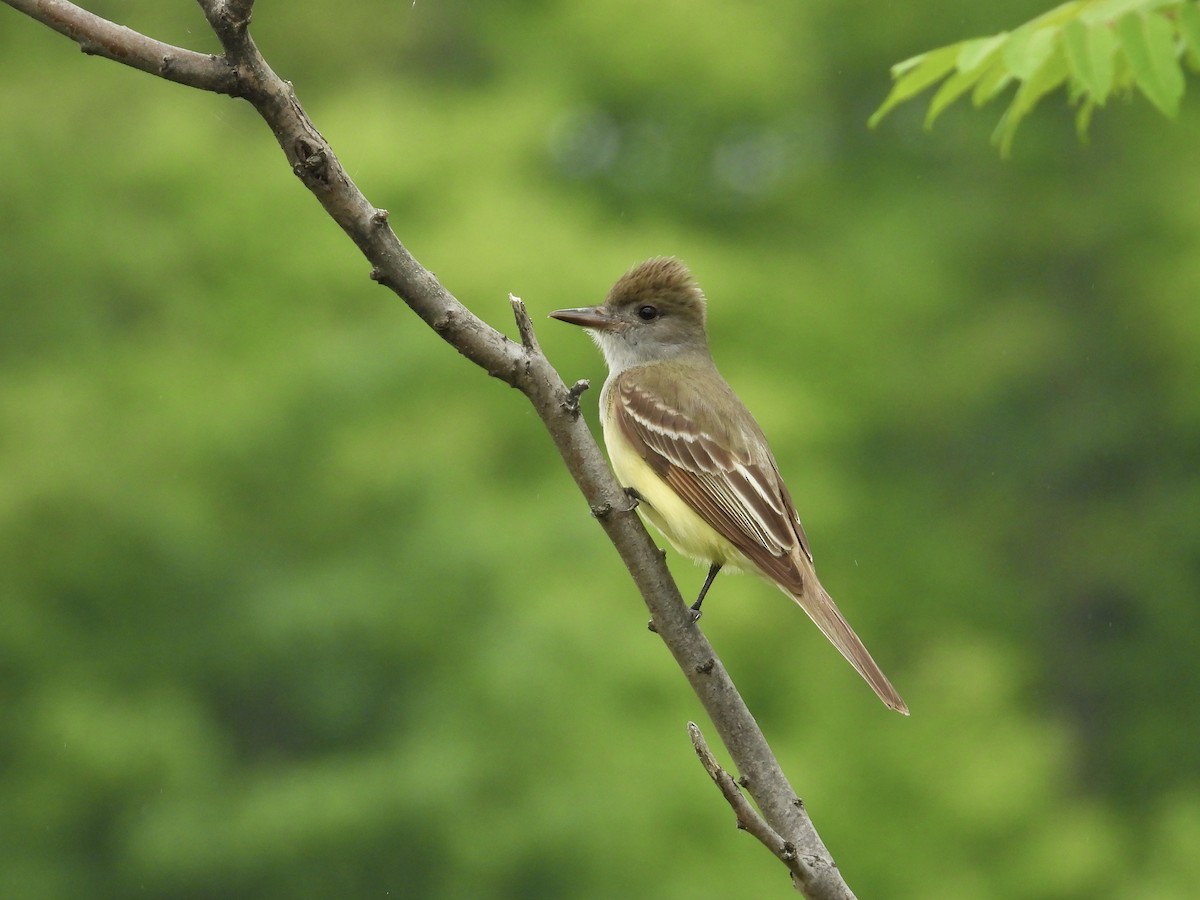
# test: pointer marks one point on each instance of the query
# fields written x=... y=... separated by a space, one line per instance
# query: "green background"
x=295 y=602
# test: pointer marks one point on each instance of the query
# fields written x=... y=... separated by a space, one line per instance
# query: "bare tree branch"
x=100 y=37
x=524 y=325
x=803 y=871
x=243 y=72
x=748 y=818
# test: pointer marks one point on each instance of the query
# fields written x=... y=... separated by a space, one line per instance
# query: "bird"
x=691 y=454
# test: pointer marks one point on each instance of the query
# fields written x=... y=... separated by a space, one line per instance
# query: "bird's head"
x=655 y=311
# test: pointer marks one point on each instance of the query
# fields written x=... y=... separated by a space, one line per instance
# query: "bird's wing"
x=734 y=485
x=730 y=481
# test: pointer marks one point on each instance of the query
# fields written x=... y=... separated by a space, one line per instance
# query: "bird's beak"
x=596 y=317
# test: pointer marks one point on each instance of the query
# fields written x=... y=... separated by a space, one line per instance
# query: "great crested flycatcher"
x=694 y=456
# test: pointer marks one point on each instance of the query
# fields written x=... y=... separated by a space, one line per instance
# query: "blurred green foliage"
x=296 y=603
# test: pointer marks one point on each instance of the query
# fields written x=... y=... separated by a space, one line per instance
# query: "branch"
x=524 y=325
x=243 y=72
x=748 y=819
x=100 y=37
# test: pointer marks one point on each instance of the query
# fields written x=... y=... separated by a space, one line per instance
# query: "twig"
x=573 y=395
x=524 y=324
x=243 y=72
x=100 y=37
x=804 y=871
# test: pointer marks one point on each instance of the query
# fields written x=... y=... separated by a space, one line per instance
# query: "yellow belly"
x=679 y=523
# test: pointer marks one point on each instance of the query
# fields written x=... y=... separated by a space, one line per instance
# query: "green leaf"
x=952 y=88
x=1189 y=30
x=992 y=83
x=1093 y=47
x=920 y=72
x=1083 y=119
x=1105 y=12
x=976 y=58
x=977 y=51
x=1061 y=13
x=1090 y=55
x=1149 y=45
x=1052 y=73
x=906 y=64
x=1028 y=49
x=1122 y=74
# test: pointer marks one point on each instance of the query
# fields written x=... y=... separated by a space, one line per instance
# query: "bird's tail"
x=815 y=601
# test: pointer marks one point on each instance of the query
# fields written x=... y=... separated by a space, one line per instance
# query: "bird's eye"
x=648 y=313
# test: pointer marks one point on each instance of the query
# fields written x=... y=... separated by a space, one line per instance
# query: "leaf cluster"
x=1095 y=48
